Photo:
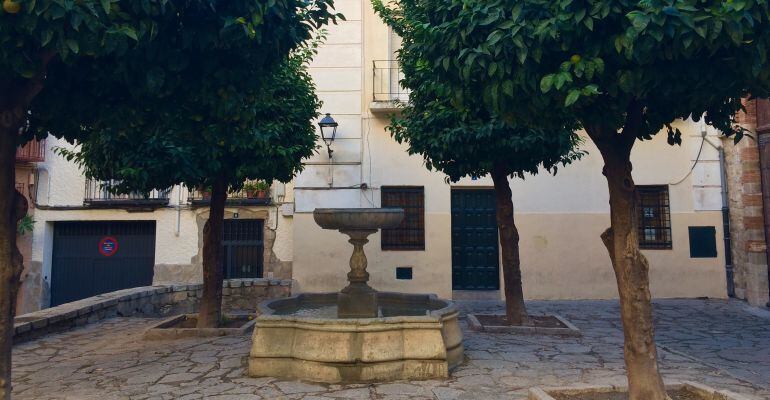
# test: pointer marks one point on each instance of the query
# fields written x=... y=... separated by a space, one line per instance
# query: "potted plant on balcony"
x=205 y=192
x=256 y=190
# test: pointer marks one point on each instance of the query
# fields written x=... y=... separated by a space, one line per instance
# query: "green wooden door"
x=475 y=254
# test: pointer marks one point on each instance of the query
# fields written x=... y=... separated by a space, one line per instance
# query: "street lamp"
x=328 y=131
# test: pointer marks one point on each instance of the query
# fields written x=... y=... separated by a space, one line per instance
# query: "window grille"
x=654 y=217
x=410 y=235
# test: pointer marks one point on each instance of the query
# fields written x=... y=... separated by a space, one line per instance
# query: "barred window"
x=410 y=235
x=654 y=218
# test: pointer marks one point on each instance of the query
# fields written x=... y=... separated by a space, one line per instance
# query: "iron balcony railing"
x=33 y=151
x=99 y=194
x=201 y=196
x=387 y=76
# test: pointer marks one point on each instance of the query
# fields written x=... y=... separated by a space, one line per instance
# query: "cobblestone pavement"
x=720 y=343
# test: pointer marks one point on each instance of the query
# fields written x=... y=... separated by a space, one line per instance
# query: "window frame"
x=655 y=231
x=389 y=238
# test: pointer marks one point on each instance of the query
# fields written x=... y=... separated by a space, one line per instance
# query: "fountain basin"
x=414 y=337
x=358 y=218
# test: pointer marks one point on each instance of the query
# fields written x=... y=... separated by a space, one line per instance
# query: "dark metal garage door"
x=475 y=255
x=91 y=258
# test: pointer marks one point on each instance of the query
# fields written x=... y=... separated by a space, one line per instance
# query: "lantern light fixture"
x=328 y=131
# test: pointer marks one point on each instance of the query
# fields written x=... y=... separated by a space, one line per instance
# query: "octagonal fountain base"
x=414 y=337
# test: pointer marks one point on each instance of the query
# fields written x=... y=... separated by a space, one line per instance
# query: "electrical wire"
x=367 y=133
x=697 y=158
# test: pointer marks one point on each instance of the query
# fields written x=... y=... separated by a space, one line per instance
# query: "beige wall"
x=562 y=258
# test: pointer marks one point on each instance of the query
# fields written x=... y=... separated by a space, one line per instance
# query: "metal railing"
x=201 y=196
x=33 y=151
x=387 y=76
x=99 y=193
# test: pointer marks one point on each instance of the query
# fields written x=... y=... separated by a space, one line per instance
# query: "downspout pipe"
x=729 y=270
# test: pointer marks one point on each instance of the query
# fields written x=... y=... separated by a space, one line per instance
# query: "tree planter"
x=483 y=323
x=182 y=326
x=677 y=391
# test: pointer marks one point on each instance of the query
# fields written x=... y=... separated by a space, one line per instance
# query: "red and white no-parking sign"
x=108 y=246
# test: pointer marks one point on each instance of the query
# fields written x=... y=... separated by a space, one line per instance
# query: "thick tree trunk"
x=515 y=310
x=15 y=98
x=631 y=270
x=13 y=207
x=210 y=311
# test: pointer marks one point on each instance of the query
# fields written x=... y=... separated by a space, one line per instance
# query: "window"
x=410 y=235
x=654 y=218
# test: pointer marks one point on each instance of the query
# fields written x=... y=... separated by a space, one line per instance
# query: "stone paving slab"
x=719 y=343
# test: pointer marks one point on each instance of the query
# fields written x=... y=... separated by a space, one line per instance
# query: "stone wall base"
x=238 y=295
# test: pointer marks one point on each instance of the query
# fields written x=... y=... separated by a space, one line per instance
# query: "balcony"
x=33 y=151
x=98 y=194
x=199 y=197
x=389 y=95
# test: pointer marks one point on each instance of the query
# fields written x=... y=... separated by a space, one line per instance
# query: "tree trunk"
x=515 y=310
x=631 y=269
x=13 y=207
x=210 y=311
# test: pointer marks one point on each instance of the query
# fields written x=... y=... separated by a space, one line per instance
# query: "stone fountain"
x=357 y=334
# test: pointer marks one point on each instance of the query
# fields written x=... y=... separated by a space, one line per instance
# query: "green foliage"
x=599 y=62
x=462 y=144
x=69 y=29
x=471 y=142
x=257 y=186
x=220 y=99
x=25 y=225
x=261 y=129
x=136 y=48
x=462 y=138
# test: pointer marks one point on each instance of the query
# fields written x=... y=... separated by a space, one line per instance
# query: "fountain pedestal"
x=358 y=299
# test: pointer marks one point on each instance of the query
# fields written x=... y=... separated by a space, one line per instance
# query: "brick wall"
x=746 y=212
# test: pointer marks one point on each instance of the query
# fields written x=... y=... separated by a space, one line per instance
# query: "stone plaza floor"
x=725 y=344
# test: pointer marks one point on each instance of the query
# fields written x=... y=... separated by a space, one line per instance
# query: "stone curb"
x=145 y=300
x=161 y=330
x=570 y=330
x=705 y=392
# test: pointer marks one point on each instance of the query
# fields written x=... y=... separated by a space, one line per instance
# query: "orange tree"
x=33 y=36
x=251 y=124
x=472 y=143
x=622 y=70
x=148 y=49
x=467 y=140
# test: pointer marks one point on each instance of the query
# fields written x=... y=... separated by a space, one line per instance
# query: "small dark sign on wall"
x=703 y=242
x=404 y=273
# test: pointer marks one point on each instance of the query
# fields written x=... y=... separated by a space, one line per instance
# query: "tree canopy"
x=150 y=49
x=218 y=98
x=597 y=61
x=259 y=129
x=462 y=143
